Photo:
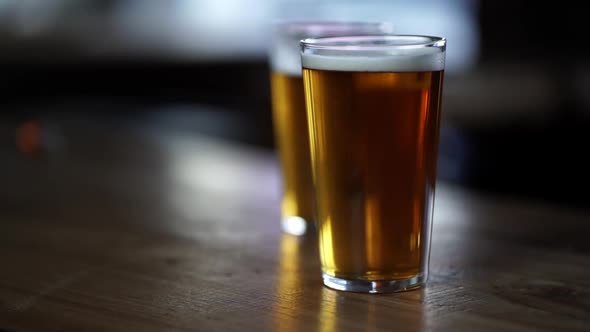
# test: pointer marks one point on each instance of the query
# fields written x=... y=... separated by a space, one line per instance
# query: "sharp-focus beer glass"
x=373 y=106
x=289 y=115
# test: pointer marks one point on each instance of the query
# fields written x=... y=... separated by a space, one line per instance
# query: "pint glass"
x=373 y=107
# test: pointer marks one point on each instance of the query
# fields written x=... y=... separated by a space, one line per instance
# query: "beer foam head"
x=374 y=53
x=285 y=54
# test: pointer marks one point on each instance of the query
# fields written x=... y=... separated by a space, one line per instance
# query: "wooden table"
x=141 y=228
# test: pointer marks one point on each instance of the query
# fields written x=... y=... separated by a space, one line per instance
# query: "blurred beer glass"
x=373 y=105
x=289 y=115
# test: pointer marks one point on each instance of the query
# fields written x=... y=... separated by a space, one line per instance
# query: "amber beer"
x=290 y=123
x=374 y=127
x=289 y=113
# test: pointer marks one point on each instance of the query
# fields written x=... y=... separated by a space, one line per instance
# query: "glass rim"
x=373 y=42
x=304 y=26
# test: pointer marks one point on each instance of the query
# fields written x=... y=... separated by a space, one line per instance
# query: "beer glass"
x=373 y=107
x=289 y=115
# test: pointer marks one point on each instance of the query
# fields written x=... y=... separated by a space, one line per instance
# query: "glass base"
x=375 y=286
x=294 y=225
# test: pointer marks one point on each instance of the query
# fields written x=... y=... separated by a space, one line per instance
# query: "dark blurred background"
x=516 y=97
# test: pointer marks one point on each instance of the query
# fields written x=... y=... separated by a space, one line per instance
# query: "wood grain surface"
x=143 y=228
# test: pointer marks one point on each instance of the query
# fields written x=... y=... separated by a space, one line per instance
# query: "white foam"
x=396 y=60
x=286 y=57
